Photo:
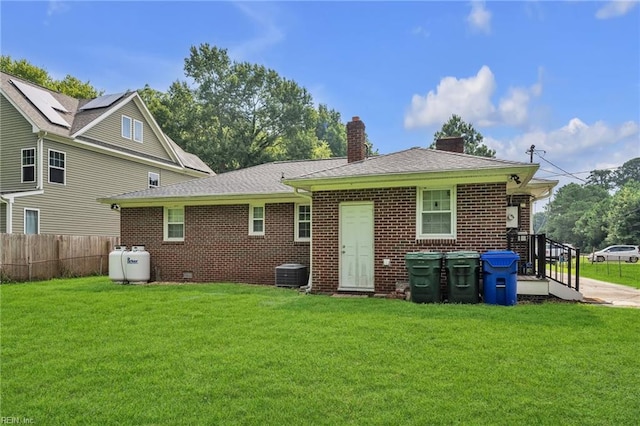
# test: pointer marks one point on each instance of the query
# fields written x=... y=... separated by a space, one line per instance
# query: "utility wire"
x=560 y=168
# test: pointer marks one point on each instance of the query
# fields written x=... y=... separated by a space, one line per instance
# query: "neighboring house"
x=59 y=154
x=351 y=220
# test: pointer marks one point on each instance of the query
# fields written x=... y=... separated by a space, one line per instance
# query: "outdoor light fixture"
x=515 y=178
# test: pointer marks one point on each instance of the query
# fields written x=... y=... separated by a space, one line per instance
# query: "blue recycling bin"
x=500 y=277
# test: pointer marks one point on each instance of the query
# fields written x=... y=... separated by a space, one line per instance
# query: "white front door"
x=356 y=246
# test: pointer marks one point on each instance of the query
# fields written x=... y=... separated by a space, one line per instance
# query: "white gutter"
x=309 y=286
x=9 y=199
x=40 y=157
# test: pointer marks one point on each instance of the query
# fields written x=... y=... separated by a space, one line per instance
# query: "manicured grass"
x=613 y=272
x=86 y=351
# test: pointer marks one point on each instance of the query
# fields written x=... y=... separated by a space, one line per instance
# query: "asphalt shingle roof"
x=267 y=178
x=259 y=180
x=413 y=160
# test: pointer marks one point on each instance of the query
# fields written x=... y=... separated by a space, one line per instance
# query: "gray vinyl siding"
x=110 y=130
x=72 y=208
x=15 y=134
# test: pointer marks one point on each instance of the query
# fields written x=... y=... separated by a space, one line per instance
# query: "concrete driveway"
x=609 y=294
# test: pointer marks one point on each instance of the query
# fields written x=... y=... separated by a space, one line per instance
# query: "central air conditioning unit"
x=291 y=275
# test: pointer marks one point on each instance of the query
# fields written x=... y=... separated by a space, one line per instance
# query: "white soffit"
x=45 y=103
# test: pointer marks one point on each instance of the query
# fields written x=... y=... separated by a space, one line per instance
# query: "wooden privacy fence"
x=42 y=257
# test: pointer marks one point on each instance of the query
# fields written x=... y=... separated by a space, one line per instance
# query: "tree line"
x=603 y=211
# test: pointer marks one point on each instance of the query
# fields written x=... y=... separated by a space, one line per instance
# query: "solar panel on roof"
x=102 y=101
x=44 y=101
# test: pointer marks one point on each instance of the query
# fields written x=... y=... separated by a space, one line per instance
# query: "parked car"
x=557 y=251
x=618 y=252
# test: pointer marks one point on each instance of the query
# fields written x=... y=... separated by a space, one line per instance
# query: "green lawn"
x=87 y=351
x=613 y=272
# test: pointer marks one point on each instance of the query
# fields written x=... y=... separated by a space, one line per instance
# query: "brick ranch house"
x=351 y=220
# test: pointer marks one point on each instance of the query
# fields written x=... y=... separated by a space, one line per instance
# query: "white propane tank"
x=116 y=263
x=138 y=265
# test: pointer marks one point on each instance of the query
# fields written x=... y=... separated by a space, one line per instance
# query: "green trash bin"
x=463 y=276
x=424 y=276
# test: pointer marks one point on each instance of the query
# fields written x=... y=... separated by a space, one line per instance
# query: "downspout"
x=10 y=199
x=309 y=286
x=40 y=156
x=9 y=213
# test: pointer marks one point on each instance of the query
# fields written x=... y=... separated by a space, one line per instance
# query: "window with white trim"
x=31 y=221
x=28 y=165
x=137 y=130
x=126 y=127
x=154 y=180
x=436 y=213
x=256 y=219
x=303 y=222
x=57 y=167
x=174 y=223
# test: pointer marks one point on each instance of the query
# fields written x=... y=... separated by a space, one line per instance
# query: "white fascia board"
x=117 y=153
x=491 y=175
x=156 y=129
x=208 y=200
x=135 y=97
x=103 y=116
x=12 y=196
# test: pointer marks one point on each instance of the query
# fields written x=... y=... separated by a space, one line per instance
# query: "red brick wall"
x=217 y=246
x=481 y=226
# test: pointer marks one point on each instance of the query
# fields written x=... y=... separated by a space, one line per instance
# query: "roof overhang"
x=538 y=189
x=436 y=178
x=205 y=200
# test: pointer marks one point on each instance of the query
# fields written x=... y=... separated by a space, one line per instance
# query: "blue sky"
x=564 y=76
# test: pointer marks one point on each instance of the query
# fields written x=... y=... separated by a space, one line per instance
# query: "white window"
x=57 y=167
x=303 y=222
x=28 y=165
x=436 y=213
x=256 y=219
x=174 y=223
x=31 y=221
x=126 y=127
x=154 y=180
x=137 y=131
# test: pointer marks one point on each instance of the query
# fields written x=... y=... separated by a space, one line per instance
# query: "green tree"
x=624 y=215
x=570 y=203
x=629 y=171
x=592 y=227
x=70 y=86
x=603 y=178
x=539 y=222
x=238 y=114
x=472 y=138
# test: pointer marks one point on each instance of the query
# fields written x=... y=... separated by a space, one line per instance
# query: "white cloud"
x=479 y=19
x=470 y=98
x=269 y=32
x=615 y=8
x=55 y=6
x=576 y=146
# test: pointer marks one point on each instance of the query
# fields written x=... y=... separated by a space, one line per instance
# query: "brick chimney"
x=451 y=144
x=356 y=147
